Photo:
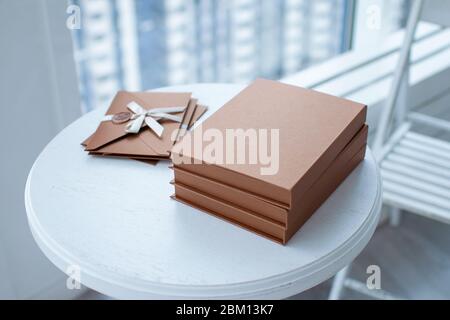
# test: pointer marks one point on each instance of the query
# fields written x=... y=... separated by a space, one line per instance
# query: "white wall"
x=38 y=97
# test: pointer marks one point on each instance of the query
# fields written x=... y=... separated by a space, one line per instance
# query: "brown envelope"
x=135 y=147
x=187 y=118
x=198 y=113
x=111 y=138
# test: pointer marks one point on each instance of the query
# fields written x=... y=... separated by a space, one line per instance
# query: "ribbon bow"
x=142 y=117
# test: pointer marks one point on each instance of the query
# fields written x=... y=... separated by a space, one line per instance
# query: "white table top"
x=114 y=219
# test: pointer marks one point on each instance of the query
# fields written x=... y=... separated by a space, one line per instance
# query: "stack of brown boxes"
x=314 y=142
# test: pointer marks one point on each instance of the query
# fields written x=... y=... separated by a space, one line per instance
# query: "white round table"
x=113 y=219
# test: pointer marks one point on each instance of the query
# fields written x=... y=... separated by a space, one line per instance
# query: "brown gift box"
x=259 y=214
x=314 y=130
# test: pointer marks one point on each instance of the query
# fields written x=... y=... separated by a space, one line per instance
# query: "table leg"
x=395 y=216
x=338 y=283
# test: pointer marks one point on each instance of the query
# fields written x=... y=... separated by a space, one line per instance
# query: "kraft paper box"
x=314 y=128
x=259 y=214
x=252 y=202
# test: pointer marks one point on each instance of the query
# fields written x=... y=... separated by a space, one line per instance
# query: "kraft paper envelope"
x=190 y=117
x=111 y=138
x=135 y=147
x=198 y=113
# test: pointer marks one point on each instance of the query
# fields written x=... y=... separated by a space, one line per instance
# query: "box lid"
x=313 y=128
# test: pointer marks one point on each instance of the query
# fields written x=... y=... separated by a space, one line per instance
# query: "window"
x=144 y=44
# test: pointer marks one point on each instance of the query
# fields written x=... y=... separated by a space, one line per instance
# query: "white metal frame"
x=416 y=168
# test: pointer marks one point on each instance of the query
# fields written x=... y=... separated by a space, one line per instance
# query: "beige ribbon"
x=142 y=117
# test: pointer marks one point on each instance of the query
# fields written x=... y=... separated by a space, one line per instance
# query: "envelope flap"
x=119 y=103
x=108 y=131
x=129 y=145
x=152 y=100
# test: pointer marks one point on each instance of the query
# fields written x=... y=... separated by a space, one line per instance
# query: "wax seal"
x=121 y=117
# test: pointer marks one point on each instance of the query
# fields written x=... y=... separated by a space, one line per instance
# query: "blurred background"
x=141 y=44
x=61 y=59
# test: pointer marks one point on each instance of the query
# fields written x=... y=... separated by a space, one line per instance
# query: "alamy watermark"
x=373 y=17
x=73 y=21
x=259 y=147
x=373 y=282
x=73 y=281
